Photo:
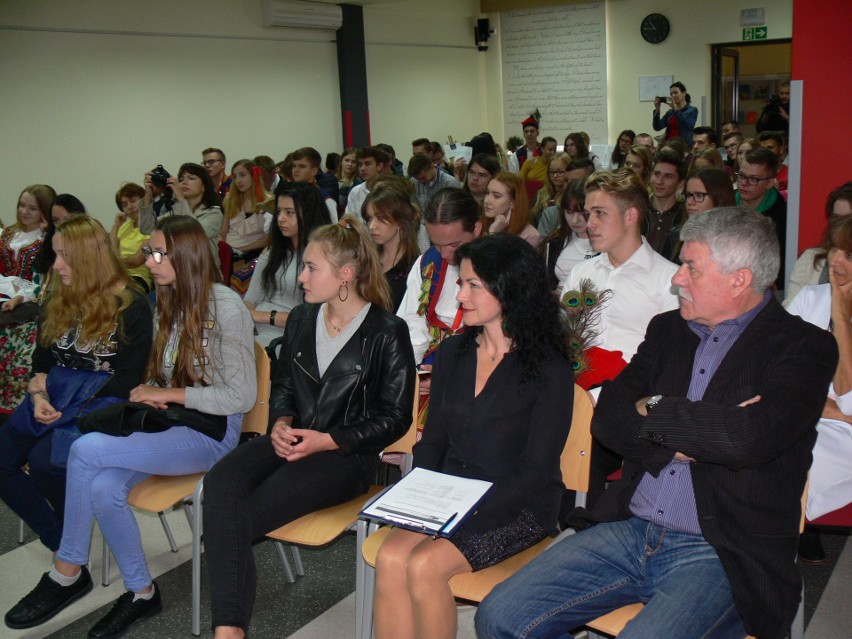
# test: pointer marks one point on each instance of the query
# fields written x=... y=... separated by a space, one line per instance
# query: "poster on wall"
x=554 y=60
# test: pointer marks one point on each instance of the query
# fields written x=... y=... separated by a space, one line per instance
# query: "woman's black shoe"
x=125 y=613
x=810 y=548
x=46 y=600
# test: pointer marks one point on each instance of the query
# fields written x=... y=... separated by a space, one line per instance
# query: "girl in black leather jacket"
x=343 y=389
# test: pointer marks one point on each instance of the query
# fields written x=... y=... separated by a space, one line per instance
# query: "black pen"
x=444 y=527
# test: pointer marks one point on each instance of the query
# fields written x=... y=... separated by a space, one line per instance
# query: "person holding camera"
x=776 y=114
x=194 y=194
x=679 y=120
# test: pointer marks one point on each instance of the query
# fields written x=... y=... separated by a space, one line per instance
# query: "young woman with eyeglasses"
x=202 y=359
x=706 y=189
x=553 y=188
x=569 y=243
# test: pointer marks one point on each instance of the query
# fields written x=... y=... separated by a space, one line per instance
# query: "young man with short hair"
x=427 y=179
x=372 y=162
x=646 y=140
x=666 y=211
x=213 y=160
x=306 y=168
x=756 y=191
x=704 y=137
x=731 y=143
x=530 y=148
x=776 y=142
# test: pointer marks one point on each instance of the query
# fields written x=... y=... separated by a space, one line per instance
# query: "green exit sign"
x=755 y=33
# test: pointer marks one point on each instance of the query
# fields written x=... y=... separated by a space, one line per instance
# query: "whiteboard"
x=651 y=86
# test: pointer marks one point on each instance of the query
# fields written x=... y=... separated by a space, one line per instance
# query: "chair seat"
x=323 y=526
x=159 y=492
x=613 y=622
x=475 y=586
x=370 y=548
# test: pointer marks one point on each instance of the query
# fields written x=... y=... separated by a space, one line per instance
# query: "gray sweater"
x=229 y=346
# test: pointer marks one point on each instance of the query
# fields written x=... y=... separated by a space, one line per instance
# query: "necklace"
x=340 y=328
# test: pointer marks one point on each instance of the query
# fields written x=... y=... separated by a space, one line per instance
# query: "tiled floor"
x=319 y=603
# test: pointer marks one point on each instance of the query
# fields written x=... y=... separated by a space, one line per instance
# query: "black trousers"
x=251 y=492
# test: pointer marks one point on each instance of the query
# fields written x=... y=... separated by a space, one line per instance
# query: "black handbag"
x=121 y=420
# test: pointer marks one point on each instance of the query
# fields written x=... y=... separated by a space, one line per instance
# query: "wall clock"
x=655 y=28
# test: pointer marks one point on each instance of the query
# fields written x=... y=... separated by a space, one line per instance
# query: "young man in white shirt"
x=372 y=162
x=638 y=277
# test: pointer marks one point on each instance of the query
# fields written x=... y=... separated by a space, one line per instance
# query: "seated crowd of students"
x=354 y=274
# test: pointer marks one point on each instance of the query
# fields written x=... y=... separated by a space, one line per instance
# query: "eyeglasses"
x=750 y=179
x=698 y=196
x=210 y=162
x=732 y=145
x=158 y=256
x=557 y=173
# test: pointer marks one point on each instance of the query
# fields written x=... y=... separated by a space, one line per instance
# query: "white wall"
x=425 y=77
x=695 y=26
x=94 y=92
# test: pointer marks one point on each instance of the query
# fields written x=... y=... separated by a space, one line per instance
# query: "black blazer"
x=365 y=399
x=751 y=463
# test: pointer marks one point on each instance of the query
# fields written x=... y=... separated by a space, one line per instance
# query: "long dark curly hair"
x=513 y=272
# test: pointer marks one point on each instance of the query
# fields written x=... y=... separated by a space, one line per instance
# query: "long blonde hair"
x=100 y=287
x=257 y=195
x=186 y=304
x=348 y=242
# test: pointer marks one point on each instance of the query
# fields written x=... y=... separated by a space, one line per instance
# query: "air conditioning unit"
x=301 y=15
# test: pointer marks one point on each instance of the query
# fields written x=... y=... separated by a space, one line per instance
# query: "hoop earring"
x=345 y=287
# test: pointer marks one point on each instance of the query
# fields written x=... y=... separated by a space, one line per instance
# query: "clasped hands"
x=294 y=444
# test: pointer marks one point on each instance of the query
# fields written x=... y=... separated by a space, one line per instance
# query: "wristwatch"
x=272 y=315
x=653 y=401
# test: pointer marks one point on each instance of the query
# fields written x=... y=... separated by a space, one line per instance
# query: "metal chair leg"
x=297 y=561
x=20 y=531
x=196 y=558
x=288 y=572
x=167 y=529
x=105 y=560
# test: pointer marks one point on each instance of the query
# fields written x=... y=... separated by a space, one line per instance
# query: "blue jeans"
x=101 y=471
x=677 y=576
x=38 y=497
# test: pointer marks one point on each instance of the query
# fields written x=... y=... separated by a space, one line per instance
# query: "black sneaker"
x=46 y=600
x=125 y=613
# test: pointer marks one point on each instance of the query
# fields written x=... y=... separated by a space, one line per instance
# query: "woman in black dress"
x=500 y=411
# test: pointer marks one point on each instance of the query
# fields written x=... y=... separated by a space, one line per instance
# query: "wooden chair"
x=324 y=526
x=158 y=493
x=575 y=462
x=612 y=623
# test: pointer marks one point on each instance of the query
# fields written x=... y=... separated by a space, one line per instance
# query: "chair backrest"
x=577 y=455
x=405 y=444
x=257 y=419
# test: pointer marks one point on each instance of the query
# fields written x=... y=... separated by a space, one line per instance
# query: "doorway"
x=745 y=77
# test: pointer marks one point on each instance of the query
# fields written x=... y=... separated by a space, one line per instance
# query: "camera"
x=159 y=176
x=663 y=99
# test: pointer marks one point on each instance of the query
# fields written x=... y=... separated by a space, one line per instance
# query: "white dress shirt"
x=641 y=288
x=356 y=200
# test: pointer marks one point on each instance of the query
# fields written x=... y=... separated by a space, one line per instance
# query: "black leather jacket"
x=365 y=399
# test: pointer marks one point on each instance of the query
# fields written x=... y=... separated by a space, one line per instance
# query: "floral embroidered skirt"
x=17 y=343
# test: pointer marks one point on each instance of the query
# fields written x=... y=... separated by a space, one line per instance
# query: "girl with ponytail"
x=342 y=390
